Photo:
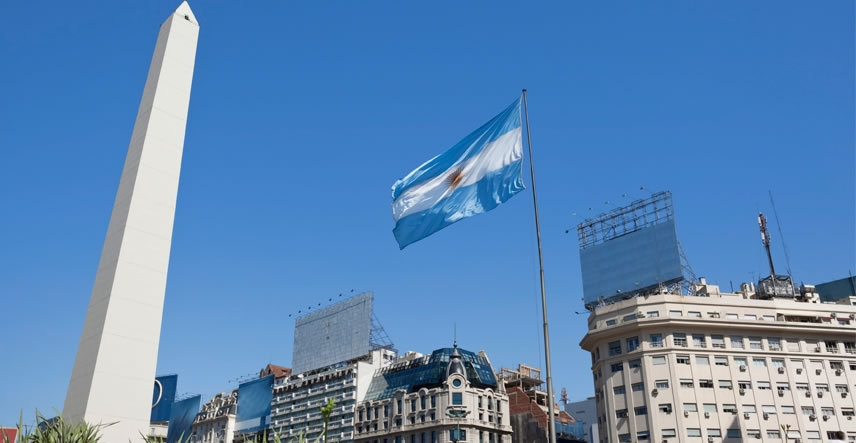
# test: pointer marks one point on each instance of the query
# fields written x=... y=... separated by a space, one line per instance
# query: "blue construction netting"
x=181 y=418
x=163 y=397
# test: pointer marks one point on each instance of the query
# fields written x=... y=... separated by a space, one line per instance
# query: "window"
x=615 y=348
x=822 y=387
x=489 y=403
x=360 y=415
x=777 y=363
x=774 y=435
x=669 y=433
x=717 y=341
x=755 y=343
x=841 y=388
x=457 y=398
x=629 y=317
x=710 y=407
x=802 y=387
x=398 y=406
x=807 y=410
x=775 y=344
x=618 y=390
x=764 y=386
x=433 y=401
x=412 y=404
x=831 y=346
x=662 y=384
x=768 y=409
x=632 y=344
x=617 y=367
x=641 y=410
x=653 y=314
x=732 y=433
x=753 y=433
x=637 y=387
x=679 y=339
x=714 y=433
x=847 y=412
x=690 y=407
x=850 y=347
x=782 y=386
x=656 y=340
x=725 y=384
x=729 y=408
x=621 y=413
x=667 y=408
x=683 y=359
x=788 y=410
x=737 y=341
x=693 y=432
x=699 y=341
x=398 y=422
x=457 y=434
x=827 y=411
x=760 y=362
x=702 y=383
x=750 y=317
x=658 y=360
x=720 y=361
x=694 y=314
x=633 y=364
x=812 y=435
x=611 y=322
x=768 y=318
x=386 y=410
x=744 y=384
x=836 y=365
x=675 y=313
x=624 y=437
x=713 y=314
x=642 y=435
x=422 y=402
x=749 y=409
x=731 y=316
x=739 y=361
x=700 y=360
x=686 y=382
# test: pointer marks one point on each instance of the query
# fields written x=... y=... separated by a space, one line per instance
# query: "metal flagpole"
x=550 y=402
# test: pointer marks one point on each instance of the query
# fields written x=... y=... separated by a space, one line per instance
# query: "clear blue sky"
x=303 y=115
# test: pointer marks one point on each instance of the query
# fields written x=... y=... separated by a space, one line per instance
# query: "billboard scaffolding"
x=630 y=250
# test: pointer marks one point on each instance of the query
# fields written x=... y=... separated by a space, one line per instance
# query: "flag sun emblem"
x=455 y=178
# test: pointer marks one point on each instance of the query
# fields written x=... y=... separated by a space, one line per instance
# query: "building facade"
x=298 y=398
x=449 y=396
x=585 y=411
x=527 y=406
x=215 y=423
x=723 y=366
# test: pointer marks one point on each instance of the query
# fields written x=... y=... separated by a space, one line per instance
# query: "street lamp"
x=457 y=415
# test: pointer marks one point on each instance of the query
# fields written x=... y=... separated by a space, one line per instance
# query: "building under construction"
x=527 y=399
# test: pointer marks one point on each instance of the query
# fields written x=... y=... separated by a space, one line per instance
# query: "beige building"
x=451 y=395
x=215 y=423
x=723 y=366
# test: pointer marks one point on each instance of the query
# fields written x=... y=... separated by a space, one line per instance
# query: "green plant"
x=57 y=430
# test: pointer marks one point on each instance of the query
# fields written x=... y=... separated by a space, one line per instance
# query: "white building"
x=723 y=366
x=297 y=399
x=215 y=423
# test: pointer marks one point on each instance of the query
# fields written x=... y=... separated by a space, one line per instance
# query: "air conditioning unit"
x=819 y=394
x=843 y=395
x=808 y=393
x=850 y=417
x=812 y=417
x=710 y=439
x=833 y=315
x=781 y=370
x=654 y=392
x=799 y=370
x=817 y=349
x=742 y=391
x=825 y=418
x=818 y=371
x=781 y=392
x=686 y=414
x=746 y=415
x=838 y=372
x=707 y=415
x=742 y=368
x=640 y=314
x=766 y=416
x=852 y=316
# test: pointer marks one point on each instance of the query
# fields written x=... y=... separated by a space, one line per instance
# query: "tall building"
x=215 y=423
x=841 y=291
x=297 y=399
x=449 y=396
x=723 y=366
x=111 y=381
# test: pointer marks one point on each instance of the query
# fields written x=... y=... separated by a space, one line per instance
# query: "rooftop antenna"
x=455 y=333
x=565 y=397
x=765 y=240
x=781 y=235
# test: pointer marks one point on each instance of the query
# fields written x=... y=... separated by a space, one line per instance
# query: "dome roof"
x=456 y=366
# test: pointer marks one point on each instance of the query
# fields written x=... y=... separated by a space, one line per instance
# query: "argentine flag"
x=474 y=176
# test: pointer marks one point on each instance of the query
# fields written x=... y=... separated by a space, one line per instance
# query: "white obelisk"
x=114 y=370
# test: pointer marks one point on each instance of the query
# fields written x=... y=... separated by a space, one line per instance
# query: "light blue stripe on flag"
x=476 y=175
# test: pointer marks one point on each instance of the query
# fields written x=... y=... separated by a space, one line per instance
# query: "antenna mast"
x=765 y=240
x=781 y=234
